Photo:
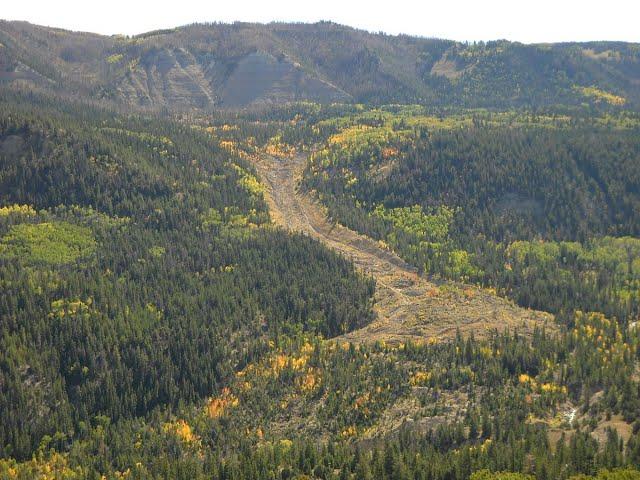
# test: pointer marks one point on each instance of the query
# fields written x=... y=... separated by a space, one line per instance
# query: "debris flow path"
x=408 y=306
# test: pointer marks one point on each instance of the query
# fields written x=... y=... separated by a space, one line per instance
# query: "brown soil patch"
x=604 y=55
x=447 y=68
x=407 y=305
x=617 y=423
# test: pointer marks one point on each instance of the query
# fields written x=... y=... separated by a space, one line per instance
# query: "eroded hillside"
x=204 y=66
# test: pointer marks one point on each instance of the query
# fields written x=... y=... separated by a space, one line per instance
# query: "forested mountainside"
x=155 y=324
x=408 y=259
x=543 y=208
x=138 y=272
x=241 y=64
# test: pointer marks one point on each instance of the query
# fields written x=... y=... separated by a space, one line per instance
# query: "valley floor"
x=408 y=306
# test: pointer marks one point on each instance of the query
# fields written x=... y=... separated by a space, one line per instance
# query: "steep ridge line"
x=407 y=306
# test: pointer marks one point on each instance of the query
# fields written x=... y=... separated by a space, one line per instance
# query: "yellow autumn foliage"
x=310 y=380
x=350 y=431
x=526 y=379
x=306 y=348
x=228 y=145
x=601 y=96
x=25 y=210
x=360 y=403
x=420 y=379
x=63 y=307
x=217 y=406
x=54 y=467
x=552 y=388
x=249 y=182
x=182 y=430
x=388 y=152
x=115 y=58
x=278 y=363
x=486 y=352
x=286 y=444
x=279 y=149
x=349 y=135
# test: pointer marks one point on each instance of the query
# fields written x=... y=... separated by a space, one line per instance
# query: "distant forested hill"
x=222 y=65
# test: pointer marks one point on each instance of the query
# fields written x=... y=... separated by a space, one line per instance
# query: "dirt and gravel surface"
x=408 y=306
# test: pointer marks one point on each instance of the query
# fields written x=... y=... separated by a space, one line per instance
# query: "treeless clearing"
x=407 y=306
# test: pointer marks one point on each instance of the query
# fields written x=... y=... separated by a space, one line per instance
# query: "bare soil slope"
x=408 y=306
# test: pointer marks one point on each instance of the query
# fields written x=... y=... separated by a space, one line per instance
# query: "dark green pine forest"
x=157 y=322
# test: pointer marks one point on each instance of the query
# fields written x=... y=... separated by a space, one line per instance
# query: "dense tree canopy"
x=155 y=324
